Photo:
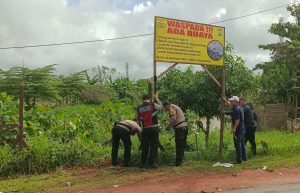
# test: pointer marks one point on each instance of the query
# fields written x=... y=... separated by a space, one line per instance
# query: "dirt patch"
x=85 y=171
x=203 y=182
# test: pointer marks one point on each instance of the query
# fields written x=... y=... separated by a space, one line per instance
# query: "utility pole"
x=280 y=39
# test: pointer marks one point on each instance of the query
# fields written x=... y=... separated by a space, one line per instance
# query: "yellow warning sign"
x=188 y=42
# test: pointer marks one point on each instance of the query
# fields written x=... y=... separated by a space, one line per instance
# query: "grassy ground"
x=92 y=177
x=275 y=149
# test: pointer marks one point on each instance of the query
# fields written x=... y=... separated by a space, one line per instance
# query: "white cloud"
x=64 y=2
x=127 y=12
x=221 y=12
x=42 y=22
x=262 y=57
x=138 y=8
x=141 y=7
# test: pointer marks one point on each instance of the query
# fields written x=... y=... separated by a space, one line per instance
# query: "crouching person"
x=178 y=123
x=122 y=131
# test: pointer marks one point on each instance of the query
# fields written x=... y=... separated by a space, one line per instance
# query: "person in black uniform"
x=122 y=131
x=254 y=113
x=146 y=114
x=250 y=124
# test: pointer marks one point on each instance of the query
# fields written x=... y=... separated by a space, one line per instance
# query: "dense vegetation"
x=282 y=73
x=68 y=122
x=68 y=119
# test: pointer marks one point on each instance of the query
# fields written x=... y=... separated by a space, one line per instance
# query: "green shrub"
x=78 y=135
x=44 y=155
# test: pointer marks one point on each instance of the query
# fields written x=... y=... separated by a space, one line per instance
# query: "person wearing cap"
x=146 y=114
x=122 y=131
x=178 y=123
x=238 y=128
x=250 y=124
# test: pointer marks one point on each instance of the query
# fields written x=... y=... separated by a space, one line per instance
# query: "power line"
x=77 y=42
x=136 y=36
x=251 y=14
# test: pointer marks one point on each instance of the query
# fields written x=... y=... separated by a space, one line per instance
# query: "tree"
x=127 y=89
x=197 y=91
x=282 y=73
x=98 y=93
x=39 y=83
x=101 y=75
x=179 y=87
x=70 y=87
x=240 y=80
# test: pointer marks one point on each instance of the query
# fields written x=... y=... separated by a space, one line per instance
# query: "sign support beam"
x=211 y=75
x=216 y=81
x=222 y=115
x=167 y=70
x=154 y=77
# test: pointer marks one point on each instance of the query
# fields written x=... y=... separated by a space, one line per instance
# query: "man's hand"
x=233 y=130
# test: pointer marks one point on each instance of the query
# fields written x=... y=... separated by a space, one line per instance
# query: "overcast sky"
x=53 y=21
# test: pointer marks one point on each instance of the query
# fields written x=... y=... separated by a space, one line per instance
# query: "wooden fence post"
x=20 y=138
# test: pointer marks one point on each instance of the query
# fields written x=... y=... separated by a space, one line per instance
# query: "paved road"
x=286 y=188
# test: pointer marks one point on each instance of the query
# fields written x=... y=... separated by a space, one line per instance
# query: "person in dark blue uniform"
x=237 y=129
x=250 y=124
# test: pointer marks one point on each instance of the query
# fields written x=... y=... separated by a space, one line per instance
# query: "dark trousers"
x=180 y=140
x=239 y=145
x=250 y=136
x=117 y=135
x=150 y=140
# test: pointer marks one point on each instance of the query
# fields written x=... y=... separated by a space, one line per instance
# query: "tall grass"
x=78 y=135
x=44 y=155
x=269 y=143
